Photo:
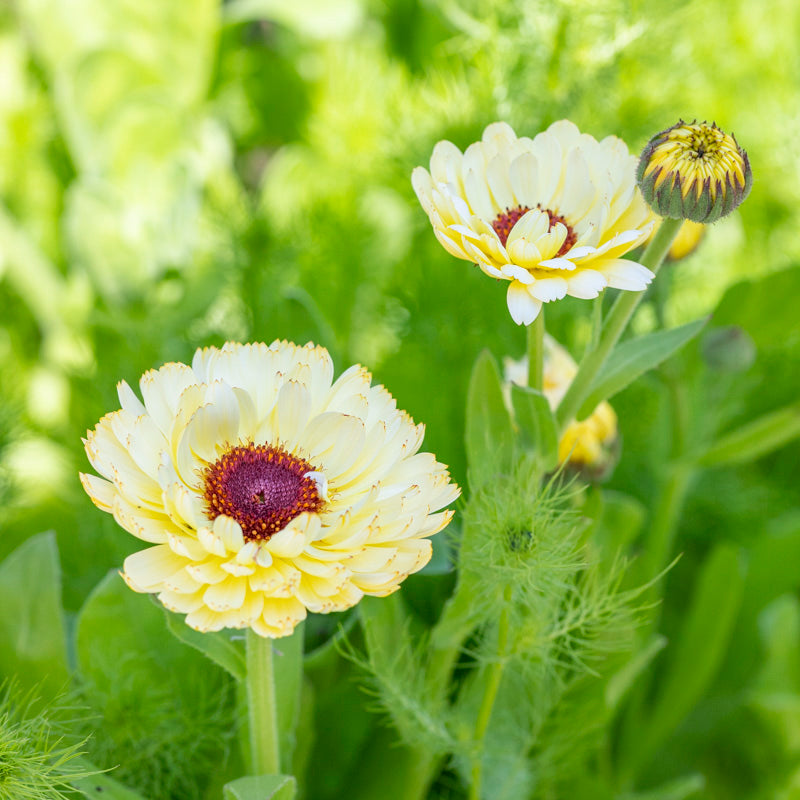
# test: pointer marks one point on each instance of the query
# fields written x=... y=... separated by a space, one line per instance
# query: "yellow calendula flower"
x=694 y=171
x=587 y=444
x=551 y=215
x=267 y=488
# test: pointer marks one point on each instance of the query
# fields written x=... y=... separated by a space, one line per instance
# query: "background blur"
x=177 y=174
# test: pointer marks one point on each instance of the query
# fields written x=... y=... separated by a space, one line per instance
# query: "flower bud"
x=694 y=171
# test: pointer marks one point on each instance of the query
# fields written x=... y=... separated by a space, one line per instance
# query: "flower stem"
x=490 y=694
x=615 y=323
x=261 y=709
x=536 y=352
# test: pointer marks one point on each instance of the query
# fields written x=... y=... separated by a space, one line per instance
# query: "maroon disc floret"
x=260 y=486
x=503 y=224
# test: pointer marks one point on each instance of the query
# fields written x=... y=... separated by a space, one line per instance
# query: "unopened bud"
x=694 y=171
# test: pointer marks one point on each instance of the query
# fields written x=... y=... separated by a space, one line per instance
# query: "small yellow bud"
x=694 y=171
x=687 y=241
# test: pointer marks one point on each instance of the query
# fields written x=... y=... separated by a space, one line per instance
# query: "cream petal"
x=205 y=620
x=182 y=583
x=101 y=492
x=586 y=284
x=207 y=572
x=129 y=401
x=524 y=176
x=517 y=274
x=226 y=595
x=291 y=413
x=524 y=253
x=446 y=163
x=146 y=570
x=623 y=274
x=578 y=191
x=212 y=543
x=287 y=543
x=423 y=187
x=523 y=308
x=477 y=191
x=187 y=547
x=229 y=533
x=162 y=389
x=558 y=263
x=181 y=603
x=279 y=580
x=144 y=523
x=333 y=442
x=500 y=183
x=548 y=289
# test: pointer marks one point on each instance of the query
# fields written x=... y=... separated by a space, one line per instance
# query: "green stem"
x=261 y=709
x=536 y=352
x=490 y=695
x=615 y=323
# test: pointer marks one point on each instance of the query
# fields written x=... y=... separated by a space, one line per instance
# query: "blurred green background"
x=177 y=174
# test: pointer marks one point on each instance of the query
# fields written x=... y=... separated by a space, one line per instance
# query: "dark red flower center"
x=262 y=487
x=505 y=222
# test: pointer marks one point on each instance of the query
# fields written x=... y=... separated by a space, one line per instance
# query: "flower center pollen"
x=504 y=222
x=262 y=487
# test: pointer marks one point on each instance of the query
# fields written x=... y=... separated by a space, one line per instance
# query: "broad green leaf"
x=698 y=650
x=631 y=359
x=618 y=522
x=536 y=422
x=120 y=630
x=489 y=432
x=619 y=684
x=261 y=787
x=215 y=645
x=755 y=439
x=32 y=640
x=674 y=790
x=755 y=306
x=102 y=784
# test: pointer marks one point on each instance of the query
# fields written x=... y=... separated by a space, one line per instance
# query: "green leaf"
x=489 y=431
x=621 y=682
x=32 y=640
x=755 y=439
x=699 y=648
x=631 y=359
x=674 y=790
x=536 y=422
x=261 y=787
x=618 y=521
x=120 y=630
x=102 y=785
x=216 y=646
x=755 y=307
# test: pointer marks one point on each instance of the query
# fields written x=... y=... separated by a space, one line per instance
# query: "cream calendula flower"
x=586 y=444
x=552 y=215
x=267 y=488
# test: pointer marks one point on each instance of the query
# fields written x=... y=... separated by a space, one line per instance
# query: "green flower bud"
x=694 y=171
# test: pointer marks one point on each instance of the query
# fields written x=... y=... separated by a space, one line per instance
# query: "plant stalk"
x=490 y=694
x=615 y=323
x=261 y=708
x=536 y=352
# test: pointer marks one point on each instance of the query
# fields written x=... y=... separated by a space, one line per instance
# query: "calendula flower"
x=551 y=215
x=588 y=444
x=267 y=488
x=694 y=171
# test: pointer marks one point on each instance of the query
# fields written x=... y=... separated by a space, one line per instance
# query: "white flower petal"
x=524 y=308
